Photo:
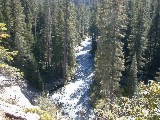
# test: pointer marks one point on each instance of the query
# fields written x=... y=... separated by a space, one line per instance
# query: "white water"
x=73 y=97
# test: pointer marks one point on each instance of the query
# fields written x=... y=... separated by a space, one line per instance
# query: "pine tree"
x=65 y=40
x=38 y=31
x=109 y=55
x=47 y=34
x=83 y=16
x=72 y=41
x=58 y=36
x=20 y=30
x=138 y=26
x=153 y=42
x=94 y=30
x=1 y=16
x=132 y=76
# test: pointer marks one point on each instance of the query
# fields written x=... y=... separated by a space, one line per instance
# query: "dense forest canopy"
x=42 y=31
x=125 y=36
x=127 y=53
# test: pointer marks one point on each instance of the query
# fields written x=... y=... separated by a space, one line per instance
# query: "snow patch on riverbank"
x=73 y=97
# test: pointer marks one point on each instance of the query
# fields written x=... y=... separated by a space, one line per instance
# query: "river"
x=73 y=98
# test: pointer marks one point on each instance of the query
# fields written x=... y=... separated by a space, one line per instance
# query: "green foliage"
x=142 y=107
x=21 y=38
x=153 y=51
x=43 y=114
x=83 y=17
x=72 y=41
x=137 y=26
x=109 y=55
x=6 y=55
x=135 y=41
x=46 y=111
x=37 y=32
x=46 y=105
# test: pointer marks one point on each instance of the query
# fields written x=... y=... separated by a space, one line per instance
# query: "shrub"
x=144 y=106
x=46 y=111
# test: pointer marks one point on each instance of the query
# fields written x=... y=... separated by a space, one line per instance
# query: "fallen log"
x=8 y=115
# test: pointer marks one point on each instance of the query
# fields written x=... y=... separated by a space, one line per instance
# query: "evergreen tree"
x=23 y=44
x=47 y=34
x=153 y=45
x=58 y=36
x=72 y=41
x=65 y=40
x=109 y=55
x=132 y=76
x=138 y=25
x=83 y=17
x=21 y=39
x=1 y=16
x=94 y=30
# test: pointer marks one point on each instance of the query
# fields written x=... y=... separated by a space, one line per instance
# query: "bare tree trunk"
x=48 y=32
x=159 y=7
x=65 y=41
x=49 y=49
x=34 y=3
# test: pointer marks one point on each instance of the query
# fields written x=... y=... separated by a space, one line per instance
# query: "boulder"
x=16 y=112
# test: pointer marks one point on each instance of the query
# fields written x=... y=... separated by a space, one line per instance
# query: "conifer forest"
x=94 y=59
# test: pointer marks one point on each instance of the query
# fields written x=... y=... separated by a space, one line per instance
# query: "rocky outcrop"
x=13 y=102
x=2 y=115
x=16 y=112
x=14 y=95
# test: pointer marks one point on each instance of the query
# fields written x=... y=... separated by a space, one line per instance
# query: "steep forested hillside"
x=127 y=39
x=45 y=34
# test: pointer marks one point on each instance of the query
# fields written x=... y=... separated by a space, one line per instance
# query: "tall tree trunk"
x=65 y=41
x=159 y=7
x=49 y=49
x=48 y=32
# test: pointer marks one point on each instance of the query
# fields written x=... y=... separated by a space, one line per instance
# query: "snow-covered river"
x=73 y=97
